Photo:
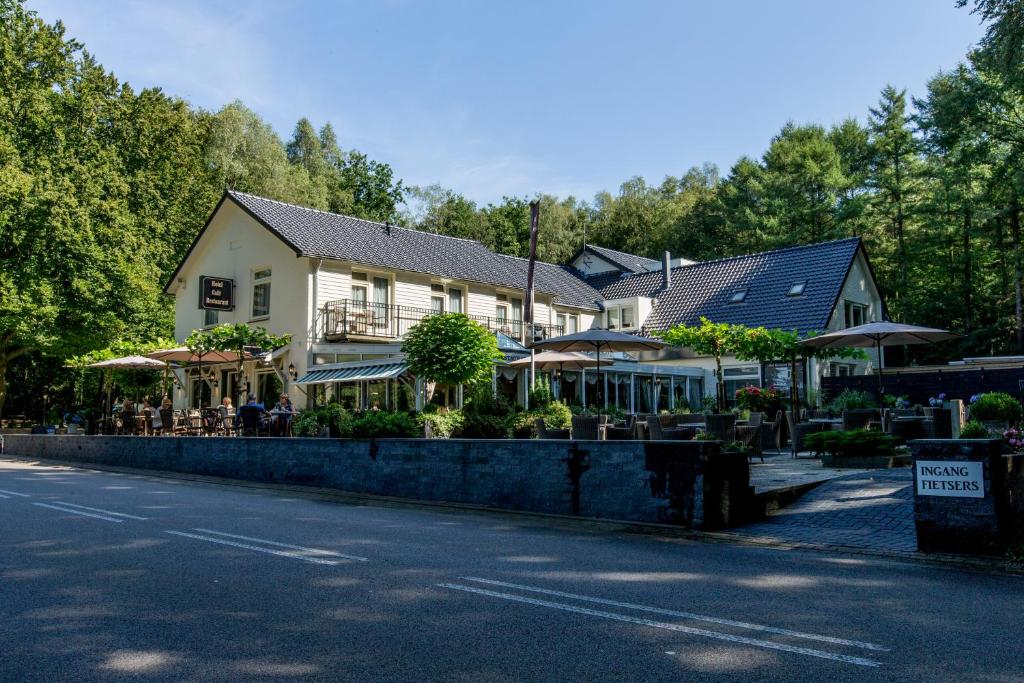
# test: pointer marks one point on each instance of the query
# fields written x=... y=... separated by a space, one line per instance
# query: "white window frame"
x=258 y=281
x=622 y=317
x=608 y=319
x=850 y=307
x=463 y=303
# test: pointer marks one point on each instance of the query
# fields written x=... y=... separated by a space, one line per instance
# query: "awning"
x=360 y=373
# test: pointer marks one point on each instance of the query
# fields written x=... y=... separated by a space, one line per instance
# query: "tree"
x=451 y=349
x=709 y=339
x=237 y=338
x=781 y=346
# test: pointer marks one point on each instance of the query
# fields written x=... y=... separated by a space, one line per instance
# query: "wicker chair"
x=544 y=433
x=252 y=421
x=771 y=432
x=585 y=428
x=798 y=430
x=658 y=432
x=722 y=425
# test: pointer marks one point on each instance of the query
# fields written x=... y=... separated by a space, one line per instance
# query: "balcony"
x=350 y=320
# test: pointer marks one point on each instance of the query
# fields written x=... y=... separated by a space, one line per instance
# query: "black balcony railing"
x=346 y=319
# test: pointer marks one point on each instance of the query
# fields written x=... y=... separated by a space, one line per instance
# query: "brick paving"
x=871 y=510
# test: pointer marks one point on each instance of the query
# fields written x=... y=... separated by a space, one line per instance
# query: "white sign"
x=950 y=478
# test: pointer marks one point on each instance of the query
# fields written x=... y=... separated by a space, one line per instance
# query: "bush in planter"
x=851 y=399
x=443 y=425
x=751 y=398
x=557 y=415
x=382 y=424
x=974 y=430
x=307 y=424
x=486 y=416
x=854 y=442
x=996 y=406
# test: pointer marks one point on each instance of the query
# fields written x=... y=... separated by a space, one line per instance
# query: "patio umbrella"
x=879 y=334
x=125 y=363
x=182 y=355
x=598 y=340
x=557 y=360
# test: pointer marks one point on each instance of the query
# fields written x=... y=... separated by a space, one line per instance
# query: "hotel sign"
x=216 y=293
x=950 y=478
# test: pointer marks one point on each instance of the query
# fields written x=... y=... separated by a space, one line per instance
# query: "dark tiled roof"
x=630 y=262
x=321 y=234
x=704 y=289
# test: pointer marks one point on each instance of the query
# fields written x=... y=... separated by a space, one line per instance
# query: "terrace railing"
x=347 y=319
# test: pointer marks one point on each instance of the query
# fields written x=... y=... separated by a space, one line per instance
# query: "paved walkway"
x=783 y=471
x=871 y=509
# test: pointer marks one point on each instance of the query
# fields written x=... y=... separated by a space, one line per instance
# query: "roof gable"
x=624 y=261
x=706 y=289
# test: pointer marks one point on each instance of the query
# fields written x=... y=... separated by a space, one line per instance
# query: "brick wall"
x=686 y=483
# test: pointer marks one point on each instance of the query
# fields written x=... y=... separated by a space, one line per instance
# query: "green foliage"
x=851 y=399
x=307 y=424
x=336 y=419
x=852 y=443
x=974 y=430
x=765 y=400
x=557 y=415
x=451 y=349
x=381 y=424
x=709 y=339
x=540 y=394
x=443 y=425
x=996 y=406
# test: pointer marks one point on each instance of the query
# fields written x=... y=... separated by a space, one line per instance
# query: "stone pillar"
x=961 y=502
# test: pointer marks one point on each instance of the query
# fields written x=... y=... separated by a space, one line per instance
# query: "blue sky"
x=515 y=98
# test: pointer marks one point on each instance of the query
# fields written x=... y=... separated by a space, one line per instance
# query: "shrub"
x=540 y=395
x=852 y=442
x=381 y=424
x=974 y=430
x=851 y=399
x=443 y=424
x=482 y=426
x=557 y=415
x=306 y=424
x=996 y=406
x=451 y=349
x=337 y=420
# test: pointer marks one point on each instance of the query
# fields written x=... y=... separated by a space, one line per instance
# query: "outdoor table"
x=834 y=423
x=618 y=434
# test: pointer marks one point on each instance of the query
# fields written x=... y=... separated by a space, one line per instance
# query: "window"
x=381 y=300
x=739 y=377
x=797 y=289
x=437 y=298
x=517 y=309
x=359 y=290
x=561 y=322
x=501 y=312
x=627 y=317
x=572 y=324
x=856 y=314
x=841 y=369
x=210 y=317
x=261 y=293
x=738 y=297
x=613 y=318
x=454 y=300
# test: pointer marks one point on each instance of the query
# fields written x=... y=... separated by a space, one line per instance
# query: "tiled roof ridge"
x=623 y=253
x=385 y=225
x=771 y=252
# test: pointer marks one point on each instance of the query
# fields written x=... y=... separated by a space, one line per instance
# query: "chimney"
x=666 y=270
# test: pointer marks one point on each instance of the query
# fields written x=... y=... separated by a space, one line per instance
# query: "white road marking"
x=15 y=493
x=79 y=512
x=315 y=551
x=106 y=512
x=3 y=496
x=767 y=644
x=685 y=615
x=280 y=553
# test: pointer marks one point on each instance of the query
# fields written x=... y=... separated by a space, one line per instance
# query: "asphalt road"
x=107 y=576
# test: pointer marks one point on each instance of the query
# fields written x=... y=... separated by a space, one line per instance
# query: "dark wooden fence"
x=919 y=385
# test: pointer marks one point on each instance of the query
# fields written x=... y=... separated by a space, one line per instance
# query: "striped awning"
x=360 y=373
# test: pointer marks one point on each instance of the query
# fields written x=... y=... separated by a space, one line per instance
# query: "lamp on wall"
x=292 y=372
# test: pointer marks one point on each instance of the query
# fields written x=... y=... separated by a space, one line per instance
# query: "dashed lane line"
x=684 y=615
x=79 y=512
x=766 y=644
x=246 y=546
x=15 y=493
x=314 y=551
x=106 y=512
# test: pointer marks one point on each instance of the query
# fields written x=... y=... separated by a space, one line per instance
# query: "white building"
x=347 y=290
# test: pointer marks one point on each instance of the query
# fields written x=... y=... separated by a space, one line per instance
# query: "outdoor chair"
x=695 y=420
x=167 y=421
x=819 y=414
x=750 y=436
x=252 y=421
x=722 y=425
x=585 y=428
x=798 y=430
x=668 y=420
x=544 y=433
x=229 y=422
x=771 y=432
x=211 y=422
x=657 y=432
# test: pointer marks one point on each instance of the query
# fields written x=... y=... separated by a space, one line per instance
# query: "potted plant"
x=996 y=410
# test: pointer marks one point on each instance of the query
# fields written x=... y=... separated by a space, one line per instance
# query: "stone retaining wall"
x=678 y=482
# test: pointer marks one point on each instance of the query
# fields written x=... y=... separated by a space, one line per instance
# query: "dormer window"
x=797 y=289
x=738 y=297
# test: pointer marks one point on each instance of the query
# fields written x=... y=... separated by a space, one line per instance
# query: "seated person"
x=285 y=412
